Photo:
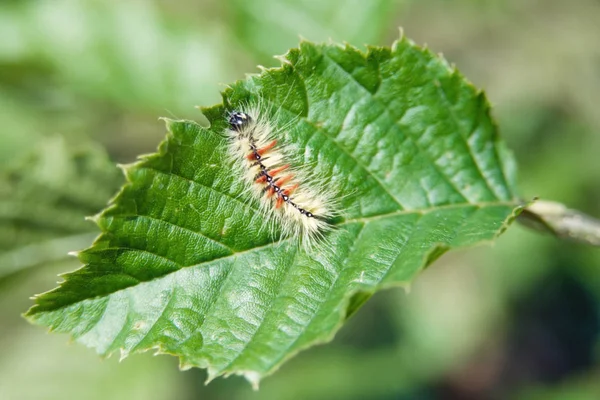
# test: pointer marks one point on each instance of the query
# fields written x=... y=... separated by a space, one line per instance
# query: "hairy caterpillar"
x=288 y=194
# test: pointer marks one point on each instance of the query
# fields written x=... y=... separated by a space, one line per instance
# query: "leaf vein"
x=415 y=142
x=183 y=228
x=272 y=303
x=455 y=120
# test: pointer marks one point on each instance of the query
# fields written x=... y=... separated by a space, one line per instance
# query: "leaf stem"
x=563 y=222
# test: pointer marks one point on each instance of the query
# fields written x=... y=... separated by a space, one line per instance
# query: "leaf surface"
x=184 y=266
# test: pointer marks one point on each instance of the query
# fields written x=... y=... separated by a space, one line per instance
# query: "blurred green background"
x=82 y=84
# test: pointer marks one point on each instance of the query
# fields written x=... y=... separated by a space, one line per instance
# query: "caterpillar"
x=289 y=195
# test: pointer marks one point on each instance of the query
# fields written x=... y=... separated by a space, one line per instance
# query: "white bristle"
x=289 y=194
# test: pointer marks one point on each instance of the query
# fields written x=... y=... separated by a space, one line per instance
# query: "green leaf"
x=182 y=265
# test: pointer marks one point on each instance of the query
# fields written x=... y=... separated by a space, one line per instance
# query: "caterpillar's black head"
x=239 y=120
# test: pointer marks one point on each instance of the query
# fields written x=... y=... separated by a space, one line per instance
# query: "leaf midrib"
x=36 y=309
x=385 y=107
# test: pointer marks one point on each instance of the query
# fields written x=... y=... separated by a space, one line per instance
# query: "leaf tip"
x=250 y=75
x=211 y=374
x=253 y=377
x=401 y=39
x=166 y=120
x=283 y=59
x=127 y=170
x=170 y=123
x=185 y=366
x=74 y=253
x=94 y=218
x=123 y=354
